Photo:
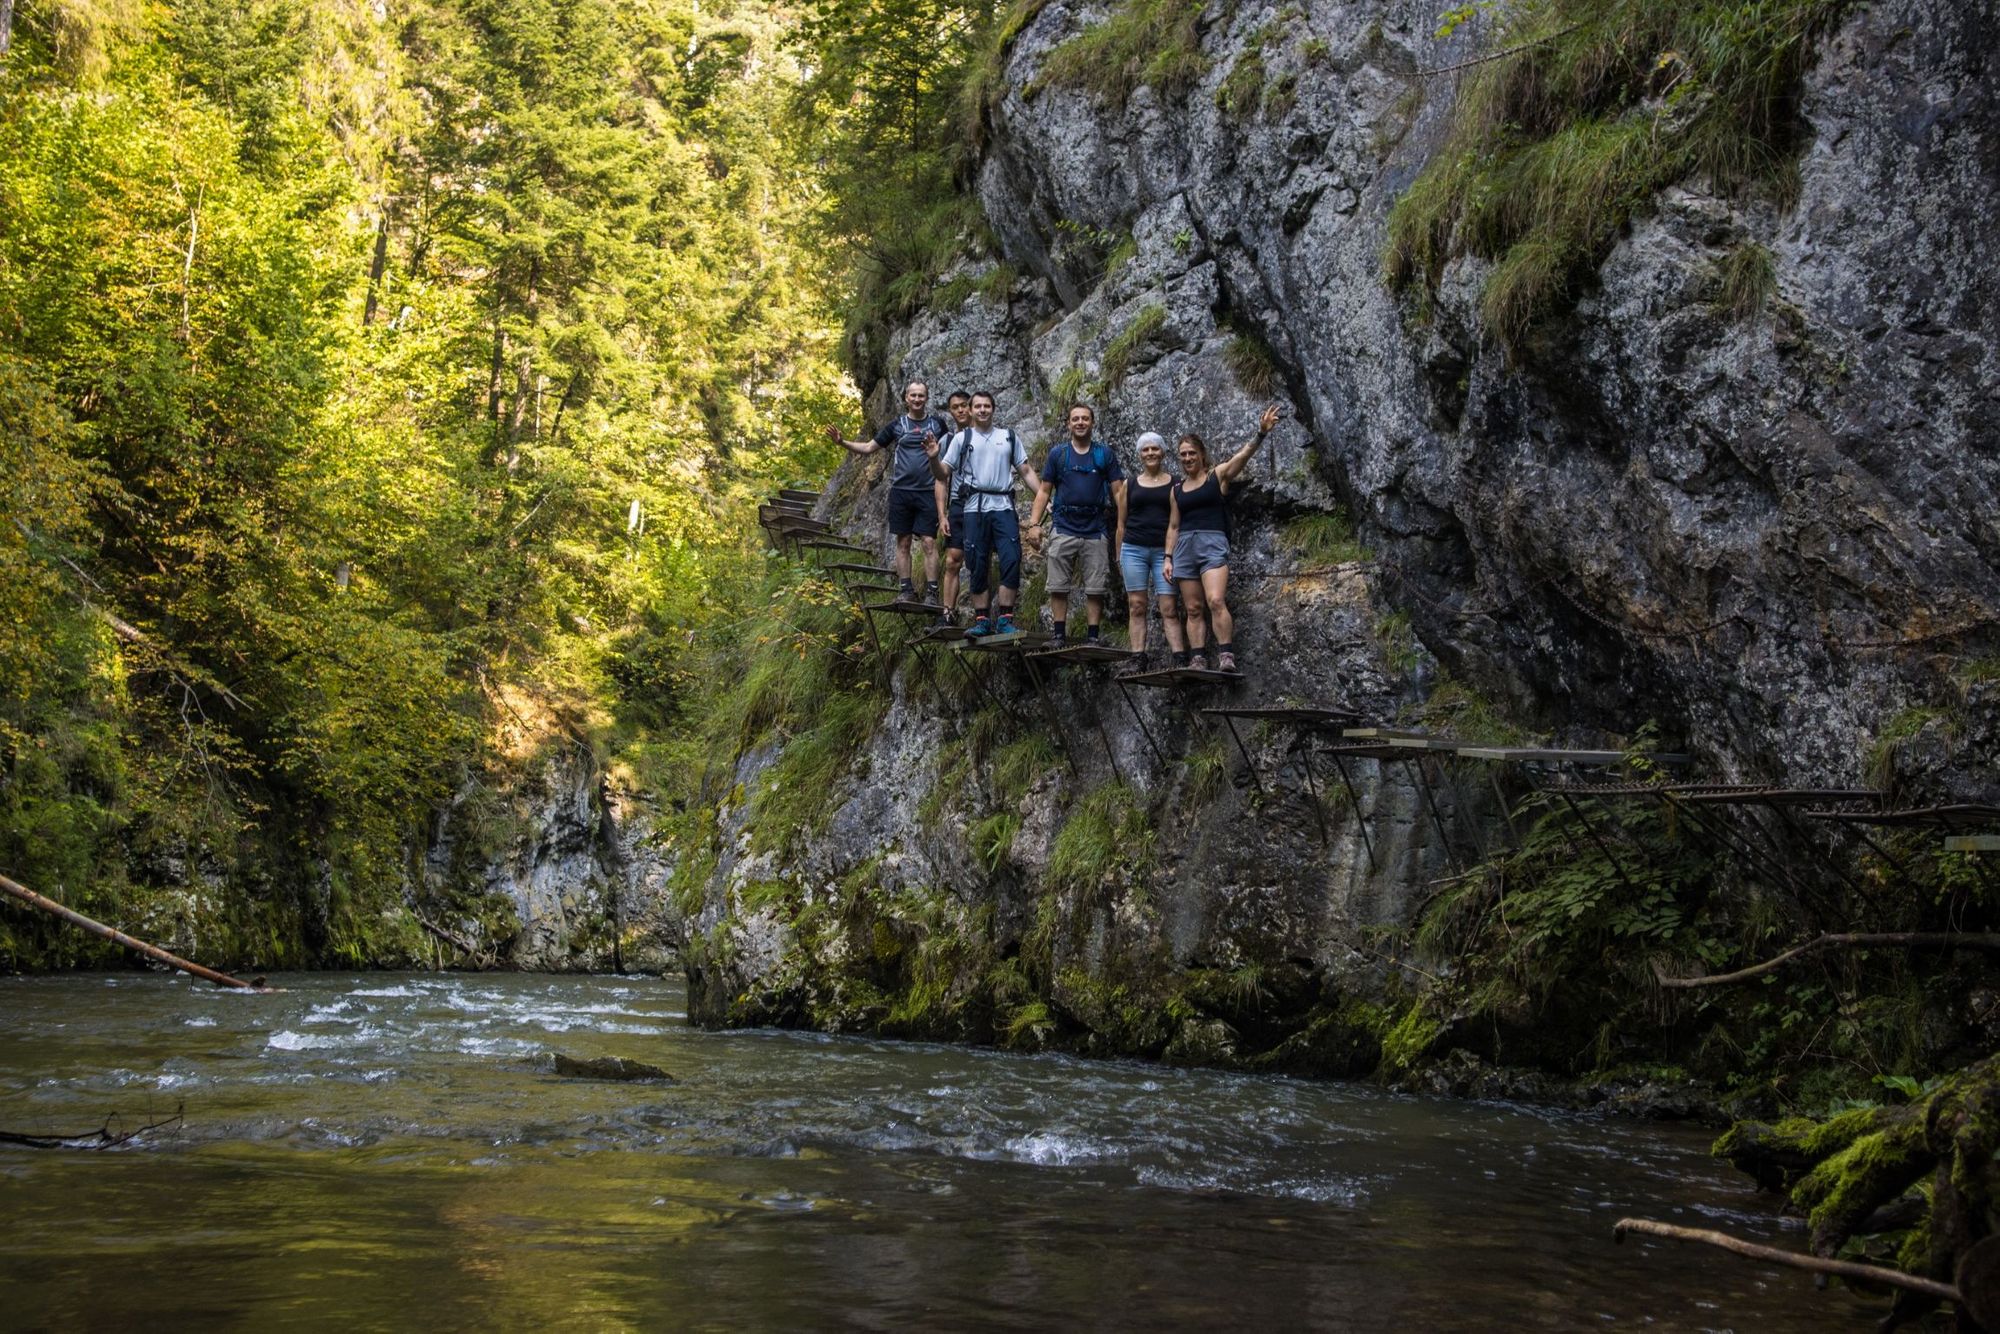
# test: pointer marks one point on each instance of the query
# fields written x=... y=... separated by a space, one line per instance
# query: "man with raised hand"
x=987 y=458
x=951 y=511
x=914 y=437
x=1079 y=485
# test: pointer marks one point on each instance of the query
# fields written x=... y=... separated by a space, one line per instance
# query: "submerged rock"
x=611 y=1067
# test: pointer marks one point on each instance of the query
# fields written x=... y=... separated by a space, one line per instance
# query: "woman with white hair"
x=1143 y=513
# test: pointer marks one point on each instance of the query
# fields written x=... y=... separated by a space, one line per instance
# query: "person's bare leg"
x=1059 y=607
x=954 y=560
x=1093 y=608
x=1192 y=607
x=1170 y=621
x=1215 y=591
x=1135 y=621
x=903 y=557
x=930 y=560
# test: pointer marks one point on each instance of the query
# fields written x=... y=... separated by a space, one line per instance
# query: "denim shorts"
x=1198 y=552
x=1144 y=570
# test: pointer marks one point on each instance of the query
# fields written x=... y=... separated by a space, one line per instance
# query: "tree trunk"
x=375 y=266
x=97 y=928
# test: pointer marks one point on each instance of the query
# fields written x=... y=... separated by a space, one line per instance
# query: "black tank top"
x=1204 y=509
x=1146 y=514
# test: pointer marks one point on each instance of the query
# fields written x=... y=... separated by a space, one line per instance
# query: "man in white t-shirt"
x=989 y=457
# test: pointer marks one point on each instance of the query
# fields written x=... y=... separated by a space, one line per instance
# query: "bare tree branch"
x=1962 y=940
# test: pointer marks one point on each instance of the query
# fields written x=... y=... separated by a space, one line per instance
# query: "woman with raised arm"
x=1198 y=541
x=1143 y=515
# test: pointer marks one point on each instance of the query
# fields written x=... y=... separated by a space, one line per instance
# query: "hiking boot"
x=945 y=621
x=1197 y=661
x=1130 y=667
x=1225 y=662
x=980 y=627
x=931 y=593
x=1006 y=624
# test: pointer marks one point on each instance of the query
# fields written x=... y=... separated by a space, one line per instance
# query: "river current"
x=374 y=1151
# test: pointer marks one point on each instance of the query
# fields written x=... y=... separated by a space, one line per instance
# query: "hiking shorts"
x=912 y=511
x=1142 y=569
x=1198 y=552
x=955 y=540
x=1069 y=554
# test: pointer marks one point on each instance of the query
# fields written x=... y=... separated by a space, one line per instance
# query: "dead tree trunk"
x=96 y=928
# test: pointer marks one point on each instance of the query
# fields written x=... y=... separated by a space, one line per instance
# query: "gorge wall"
x=1773 y=536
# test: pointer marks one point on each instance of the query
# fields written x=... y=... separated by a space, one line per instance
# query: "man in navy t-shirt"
x=1079 y=484
x=913 y=438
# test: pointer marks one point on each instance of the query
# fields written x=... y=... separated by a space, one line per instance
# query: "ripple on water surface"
x=360 y=1138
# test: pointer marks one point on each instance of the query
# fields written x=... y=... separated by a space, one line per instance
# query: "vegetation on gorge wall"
x=1577 y=113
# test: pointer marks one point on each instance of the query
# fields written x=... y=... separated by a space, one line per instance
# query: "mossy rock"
x=1202 y=1041
x=1334 y=1044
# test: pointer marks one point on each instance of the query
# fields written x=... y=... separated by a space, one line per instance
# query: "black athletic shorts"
x=956 y=542
x=912 y=512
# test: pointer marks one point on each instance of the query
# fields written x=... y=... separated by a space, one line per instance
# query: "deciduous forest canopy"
x=379 y=376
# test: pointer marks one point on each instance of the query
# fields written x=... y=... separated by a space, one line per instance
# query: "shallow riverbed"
x=377 y=1151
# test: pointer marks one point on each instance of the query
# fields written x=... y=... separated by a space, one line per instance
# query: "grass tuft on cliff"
x=1586 y=111
x=1144 y=43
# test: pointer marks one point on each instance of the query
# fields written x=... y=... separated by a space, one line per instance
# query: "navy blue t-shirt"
x=1082 y=488
x=911 y=470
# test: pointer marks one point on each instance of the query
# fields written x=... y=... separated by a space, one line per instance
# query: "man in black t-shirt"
x=913 y=438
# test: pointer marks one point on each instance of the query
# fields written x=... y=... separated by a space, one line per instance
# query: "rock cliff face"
x=1774 y=536
x=550 y=869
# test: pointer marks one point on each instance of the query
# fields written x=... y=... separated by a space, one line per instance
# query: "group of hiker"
x=956 y=474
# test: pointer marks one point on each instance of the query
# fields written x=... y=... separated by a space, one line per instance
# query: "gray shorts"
x=1067 y=552
x=1199 y=551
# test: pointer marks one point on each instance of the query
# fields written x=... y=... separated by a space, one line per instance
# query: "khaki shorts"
x=1066 y=552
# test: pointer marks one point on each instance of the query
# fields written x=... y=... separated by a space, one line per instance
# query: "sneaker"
x=1006 y=624
x=1225 y=662
x=981 y=627
x=907 y=593
x=931 y=593
x=1197 y=662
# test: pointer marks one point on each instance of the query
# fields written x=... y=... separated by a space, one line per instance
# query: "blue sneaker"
x=981 y=627
x=1006 y=624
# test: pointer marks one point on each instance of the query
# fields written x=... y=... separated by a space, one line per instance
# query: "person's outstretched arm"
x=852 y=446
x=1232 y=467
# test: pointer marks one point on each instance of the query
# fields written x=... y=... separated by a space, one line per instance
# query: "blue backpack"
x=1067 y=464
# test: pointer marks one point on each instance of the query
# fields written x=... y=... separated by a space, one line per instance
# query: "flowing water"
x=380 y=1151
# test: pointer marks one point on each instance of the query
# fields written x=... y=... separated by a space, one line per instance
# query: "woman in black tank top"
x=1198 y=541
x=1144 y=512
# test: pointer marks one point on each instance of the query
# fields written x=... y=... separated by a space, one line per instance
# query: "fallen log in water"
x=97 y=928
x=104 y=1137
x=1853 y=1269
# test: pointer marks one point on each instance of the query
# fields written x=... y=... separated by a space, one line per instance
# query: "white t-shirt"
x=989 y=460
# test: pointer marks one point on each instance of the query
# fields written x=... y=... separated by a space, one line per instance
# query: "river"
x=383 y=1151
